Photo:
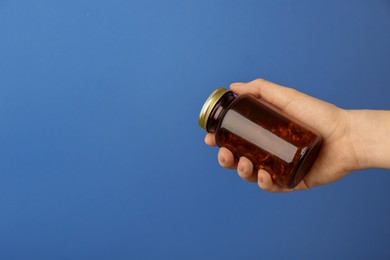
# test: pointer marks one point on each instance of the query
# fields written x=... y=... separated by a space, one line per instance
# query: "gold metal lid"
x=209 y=105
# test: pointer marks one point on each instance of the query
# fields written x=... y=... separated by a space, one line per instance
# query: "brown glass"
x=249 y=127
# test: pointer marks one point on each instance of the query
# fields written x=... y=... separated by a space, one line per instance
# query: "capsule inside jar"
x=272 y=141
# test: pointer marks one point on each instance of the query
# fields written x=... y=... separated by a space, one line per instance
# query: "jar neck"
x=219 y=111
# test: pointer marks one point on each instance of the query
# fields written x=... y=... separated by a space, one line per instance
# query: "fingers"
x=265 y=183
x=309 y=110
x=226 y=158
x=245 y=170
x=210 y=139
x=273 y=93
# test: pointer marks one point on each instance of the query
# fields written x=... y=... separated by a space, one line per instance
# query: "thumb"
x=310 y=111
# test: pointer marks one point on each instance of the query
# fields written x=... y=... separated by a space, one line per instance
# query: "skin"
x=349 y=140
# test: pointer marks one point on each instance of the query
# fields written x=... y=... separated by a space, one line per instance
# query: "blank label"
x=255 y=134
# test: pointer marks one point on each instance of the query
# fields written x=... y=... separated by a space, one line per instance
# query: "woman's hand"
x=346 y=140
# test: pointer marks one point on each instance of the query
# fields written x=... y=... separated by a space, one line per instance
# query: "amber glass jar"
x=250 y=127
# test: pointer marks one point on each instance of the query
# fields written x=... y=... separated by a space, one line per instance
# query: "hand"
x=338 y=154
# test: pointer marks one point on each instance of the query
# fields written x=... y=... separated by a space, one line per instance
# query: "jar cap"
x=209 y=105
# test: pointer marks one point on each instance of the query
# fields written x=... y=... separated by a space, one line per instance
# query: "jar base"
x=306 y=162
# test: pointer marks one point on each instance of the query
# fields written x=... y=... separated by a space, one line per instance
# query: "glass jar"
x=272 y=141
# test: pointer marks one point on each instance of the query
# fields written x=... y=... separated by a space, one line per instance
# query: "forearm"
x=370 y=137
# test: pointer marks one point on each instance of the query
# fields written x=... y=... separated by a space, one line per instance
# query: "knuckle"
x=259 y=81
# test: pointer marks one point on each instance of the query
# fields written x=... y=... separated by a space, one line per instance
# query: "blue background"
x=101 y=156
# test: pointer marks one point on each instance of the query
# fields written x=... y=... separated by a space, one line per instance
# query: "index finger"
x=210 y=139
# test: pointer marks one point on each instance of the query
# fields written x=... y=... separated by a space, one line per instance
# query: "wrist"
x=368 y=133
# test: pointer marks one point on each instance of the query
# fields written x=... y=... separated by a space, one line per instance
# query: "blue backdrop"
x=101 y=156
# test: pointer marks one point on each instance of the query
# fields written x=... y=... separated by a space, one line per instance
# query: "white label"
x=257 y=135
